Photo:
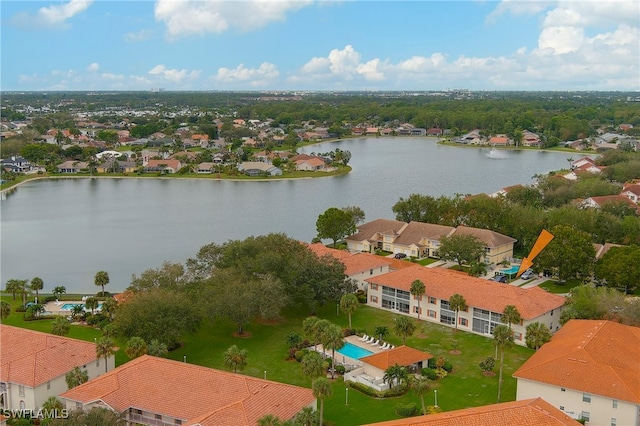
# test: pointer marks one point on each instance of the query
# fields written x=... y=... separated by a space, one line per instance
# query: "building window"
x=373 y=286
x=614 y=403
x=562 y=408
x=432 y=300
x=417 y=310
x=178 y=422
x=98 y=362
x=562 y=389
x=462 y=321
x=20 y=390
x=432 y=314
x=370 y=271
x=586 y=397
x=48 y=385
x=613 y=421
x=552 y=312
x=517 y=335
x=585 y=415
x=374 y=299
x=158 y=417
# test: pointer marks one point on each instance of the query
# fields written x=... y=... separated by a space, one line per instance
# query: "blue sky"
x=320 y=45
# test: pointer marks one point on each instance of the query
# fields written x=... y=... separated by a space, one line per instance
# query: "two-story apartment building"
x=161 y=392
x=418 y=239
x=485 y=300
x=590 y=369
x=33 y=365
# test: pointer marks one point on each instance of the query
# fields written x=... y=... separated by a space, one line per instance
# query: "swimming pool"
x=353 y=351
x=69 y=306
x=511 y=270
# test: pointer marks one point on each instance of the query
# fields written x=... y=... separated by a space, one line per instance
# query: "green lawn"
x=265 y=343
x=558 y=288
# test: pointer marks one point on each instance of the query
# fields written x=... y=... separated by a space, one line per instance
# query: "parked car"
x=528 y=274
x=501 y=278
x=400 y=256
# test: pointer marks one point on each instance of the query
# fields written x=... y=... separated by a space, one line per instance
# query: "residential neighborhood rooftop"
x=198 y=395
x=31 y=358
x=595 y=356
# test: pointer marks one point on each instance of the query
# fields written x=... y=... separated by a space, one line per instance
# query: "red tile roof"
x=528 y=412
x=32 y=358
x=195 y=394
x=594 y=356
x=402 y=355
x=480 y=293
x=354 y=263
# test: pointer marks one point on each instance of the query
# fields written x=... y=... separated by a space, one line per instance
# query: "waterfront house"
x=313 y=164
x=258 y=168
x=485 y=300
x=589 y=370
x=157 y=391
x=72 y=166
x=378 y=234
x=33 y=365
x=163 y=166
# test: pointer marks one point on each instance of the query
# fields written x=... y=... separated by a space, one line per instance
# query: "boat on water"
x=496 y=154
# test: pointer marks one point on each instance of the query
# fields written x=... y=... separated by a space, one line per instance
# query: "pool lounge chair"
x=385 y=346
x=374 y=343
x=364 y=337
x=369 y=339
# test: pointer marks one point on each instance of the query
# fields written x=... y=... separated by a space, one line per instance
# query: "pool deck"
x=354 y=340
x=55 y=308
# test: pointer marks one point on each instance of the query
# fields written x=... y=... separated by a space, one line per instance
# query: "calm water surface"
x=65 y=230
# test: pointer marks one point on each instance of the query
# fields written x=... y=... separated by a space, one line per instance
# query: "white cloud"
x=93 y=67
x=187 y=17
x=141 y=35
x=517 y=7
x=173 y=75
x=54 y=16
x=256 y=77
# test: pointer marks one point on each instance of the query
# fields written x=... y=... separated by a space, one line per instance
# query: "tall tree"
x=537 y=335
x=109 y=306
x=349 y=304
x=403 y=327
x=417 y=290
x=321 y=390
x=569 y=254
x=136 y=346
x=235 y=359
x=421 y=386
x=395 y=375
x=101 y=279
x=91 y=303
x=60 y=326
x=357 y=214
x=76 y=377
x=14 y=287
x=37 y=284
x=333 y=339
x=381 y=331
x=335 y=224
x=461 y=249
x=620 y=268
x=306 y=417
x=503 y=338
x=313 y=365
x=457 y=303
x=511 y=315
x=105 y=348
x=310 y=329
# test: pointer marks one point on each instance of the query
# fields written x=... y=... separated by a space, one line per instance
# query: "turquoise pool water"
x=511 y=270
x=69 y=306
x=353 y=351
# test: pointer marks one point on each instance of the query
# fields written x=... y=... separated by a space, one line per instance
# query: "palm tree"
x=313 y=365
x=395 y=374
x=309 y=328
x=537 y=335
x=136 y=346
x=417 y=290
x=59 y=291
x=53 y=403
x=101 y=279
x=157 y=348
x=269 y=420
x=76 y=377
x=321 y=329
x=109 y=307
x=14 y=287
x=5 y=309
x=37 y=284
x=91 y=303
x=235 y=359
x=381 y=331
x=60 y=326
x=105 y=348
x=321 y=390
x=503 y=336
x=333 y=339
x=404 y=328
x=349 y=304
x=421 y=386
x=477 y=269
x=511 y=315
x=306 y=417
x=457 y=304
x=77 y=310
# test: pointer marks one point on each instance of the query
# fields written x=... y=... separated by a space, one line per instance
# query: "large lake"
x=65 y=230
